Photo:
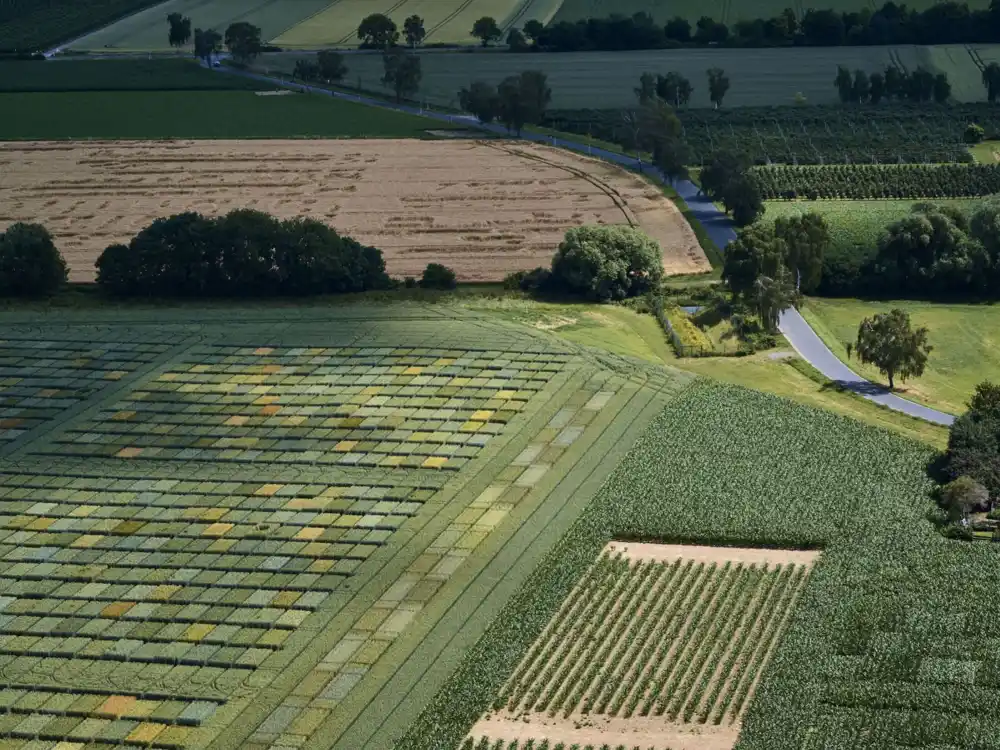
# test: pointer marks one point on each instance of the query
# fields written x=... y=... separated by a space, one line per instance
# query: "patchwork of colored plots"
x=352 y=407
x=39 y=379
x=226 y=534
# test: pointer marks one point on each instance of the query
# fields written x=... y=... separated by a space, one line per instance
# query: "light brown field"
x=483 y=208
x=658 y=646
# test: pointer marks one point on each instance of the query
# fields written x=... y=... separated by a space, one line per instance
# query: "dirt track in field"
x=484 y=208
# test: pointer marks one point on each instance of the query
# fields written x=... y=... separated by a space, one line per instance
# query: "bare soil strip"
x=483 y=208
x=687 y=650
x=644 y=551
x=599 y=730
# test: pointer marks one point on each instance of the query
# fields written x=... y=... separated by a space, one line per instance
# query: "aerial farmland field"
x=606 y=79
x=486 y=209
x=726 y=11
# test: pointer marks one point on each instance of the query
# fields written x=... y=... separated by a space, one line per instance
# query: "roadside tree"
x=402 y=73
x=413 y=30
x=889 y=342
x=243 y=41
x=180 y=30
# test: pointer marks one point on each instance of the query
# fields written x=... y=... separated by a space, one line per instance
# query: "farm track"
x=448 y=19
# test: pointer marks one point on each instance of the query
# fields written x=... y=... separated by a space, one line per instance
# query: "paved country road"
x=716 y=223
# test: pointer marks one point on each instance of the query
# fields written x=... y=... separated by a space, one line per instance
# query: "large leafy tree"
x=413 y=30
x=486 y=30
x=207 y=43
x=755 y=252
x=331 y=66
x=807 y=238
x=378 y=31
x=480 y=99
x=243 y=41
x=401 y=73
x=770 y=295
x=674 y=89
x=974 y=440
x=180 y=30
x=523 y=99
x=30 y=264
x=607 y=262
x=889 y=342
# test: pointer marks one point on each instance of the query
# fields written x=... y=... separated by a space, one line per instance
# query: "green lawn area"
x=966 y=341
x=198 y=114
x=117 y=75
x=622 y=331
x=987 y=152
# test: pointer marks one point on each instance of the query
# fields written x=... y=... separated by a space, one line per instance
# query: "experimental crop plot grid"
x=369 y=407
x=658 y=646
x=131 y=609
x=39 y=379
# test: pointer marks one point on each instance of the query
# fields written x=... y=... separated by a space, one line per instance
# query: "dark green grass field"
x=35 y=24
x=117 y=75
x=197 y=114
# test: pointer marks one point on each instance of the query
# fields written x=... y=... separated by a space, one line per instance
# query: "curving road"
x=716 y=223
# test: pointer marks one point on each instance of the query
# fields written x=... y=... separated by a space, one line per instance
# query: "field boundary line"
x=447 y=19
x=471 y=614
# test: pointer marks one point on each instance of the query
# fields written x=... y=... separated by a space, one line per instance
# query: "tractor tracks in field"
x=448 y=19
x=609 y=191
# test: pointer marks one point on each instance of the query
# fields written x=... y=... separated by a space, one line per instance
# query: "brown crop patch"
x=485 y=208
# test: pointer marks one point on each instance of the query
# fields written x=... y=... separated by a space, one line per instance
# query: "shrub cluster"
x=861 y=181
x=607 y=263
x=30 y=264
x=244 y=253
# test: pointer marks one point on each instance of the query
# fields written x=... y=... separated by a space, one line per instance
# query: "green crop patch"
x=664 y=637
x=198 y=114
x=117 y=75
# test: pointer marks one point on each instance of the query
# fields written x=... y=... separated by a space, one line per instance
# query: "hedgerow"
x=893 y=641
x=860 y=181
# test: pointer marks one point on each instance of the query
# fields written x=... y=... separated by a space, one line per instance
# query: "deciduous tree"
x=30 y=264
x=806 y=238
x=974 y=440
x=180 y=30
x=207 y=43
x=718 y=85
x=486 y=30
x=332 y=68
x=646 y=90
x=516 y=41
x=413 y=30
x=845 y=84
x=243 y=41
x=991 y=80
x=378 y=31
x=607 y=262
x=480 y=99
x=674 y=88
x=533 y=29
x=889 y=342
x=402 y=73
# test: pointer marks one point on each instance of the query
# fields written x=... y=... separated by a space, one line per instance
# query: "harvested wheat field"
x=658 y=646
x=484 y=208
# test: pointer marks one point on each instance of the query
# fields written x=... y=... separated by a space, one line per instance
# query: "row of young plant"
x=724 y=465
x=893 y=134
x=871 y=181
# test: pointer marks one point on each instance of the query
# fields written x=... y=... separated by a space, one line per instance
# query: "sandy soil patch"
x=670 y=552
x=483 y=208
x=641 y=731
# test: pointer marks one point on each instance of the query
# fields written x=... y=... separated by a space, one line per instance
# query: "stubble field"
x=484 y=209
